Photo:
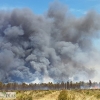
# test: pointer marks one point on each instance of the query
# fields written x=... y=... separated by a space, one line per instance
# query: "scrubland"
x=91 y=94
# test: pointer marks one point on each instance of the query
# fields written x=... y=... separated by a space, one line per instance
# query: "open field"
x=38 y=95
x=58 y=95
x=79 y=95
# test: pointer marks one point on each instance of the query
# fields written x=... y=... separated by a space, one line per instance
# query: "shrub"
x=23 y=97
x=98 y=96
x=63 y=95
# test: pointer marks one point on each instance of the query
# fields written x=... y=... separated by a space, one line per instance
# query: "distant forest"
x=50 y=86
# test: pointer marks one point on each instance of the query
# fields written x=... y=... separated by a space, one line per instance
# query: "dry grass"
x=54 y=95
x=37 y=95
x=82 y=95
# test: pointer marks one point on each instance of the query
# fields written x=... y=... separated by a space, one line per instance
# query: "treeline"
x=50 y=86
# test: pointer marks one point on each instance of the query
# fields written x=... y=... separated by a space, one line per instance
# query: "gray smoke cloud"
x=55 y=46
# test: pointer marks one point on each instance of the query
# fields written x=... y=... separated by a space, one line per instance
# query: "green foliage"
x=21 y=95
x=63 y=95
x=28 y=95
x=98 y=96
x=87 y=92
x=47 y=92
x=24 y=97
x=78 y=94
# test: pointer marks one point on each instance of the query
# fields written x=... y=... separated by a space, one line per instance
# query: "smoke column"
x=55 y=46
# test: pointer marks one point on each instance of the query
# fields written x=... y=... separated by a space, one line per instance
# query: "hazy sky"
x=55 y=41
x=77 y=7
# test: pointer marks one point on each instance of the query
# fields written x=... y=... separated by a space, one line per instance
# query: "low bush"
x=63 y=95
x=98 y=96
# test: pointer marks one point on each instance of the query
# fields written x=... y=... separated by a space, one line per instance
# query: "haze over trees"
x=50 y=86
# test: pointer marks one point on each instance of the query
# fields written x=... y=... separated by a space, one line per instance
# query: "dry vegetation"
x=58 y=95
x=79 y=95
x=38 y=95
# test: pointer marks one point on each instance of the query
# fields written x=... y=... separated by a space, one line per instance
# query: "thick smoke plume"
x=55 y=46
